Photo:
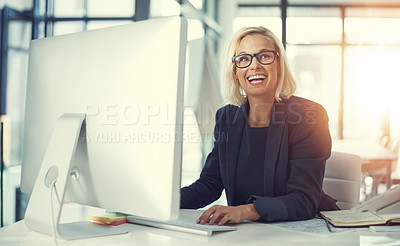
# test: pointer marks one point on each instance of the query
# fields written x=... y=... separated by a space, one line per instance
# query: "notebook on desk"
x=348 y=218
x=185 y=223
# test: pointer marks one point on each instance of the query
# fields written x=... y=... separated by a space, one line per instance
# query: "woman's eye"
x=265 y=56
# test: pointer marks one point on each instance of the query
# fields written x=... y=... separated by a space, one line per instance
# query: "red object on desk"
x=114 y=223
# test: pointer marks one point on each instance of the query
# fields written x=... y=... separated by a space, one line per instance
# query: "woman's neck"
x=260 y=113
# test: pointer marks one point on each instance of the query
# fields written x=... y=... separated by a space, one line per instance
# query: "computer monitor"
x=106 y=105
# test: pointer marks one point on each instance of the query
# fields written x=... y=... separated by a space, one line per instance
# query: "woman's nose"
x=255 y=64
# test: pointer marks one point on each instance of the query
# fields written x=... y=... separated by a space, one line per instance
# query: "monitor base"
x=87 y=229
x=45 y=205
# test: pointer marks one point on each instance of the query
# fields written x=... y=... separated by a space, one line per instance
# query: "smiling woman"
x=272 y=163
x=264 y=40
x=258 y=80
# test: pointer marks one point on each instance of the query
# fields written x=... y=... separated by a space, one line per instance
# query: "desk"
x=247 y=234
x=370 y=152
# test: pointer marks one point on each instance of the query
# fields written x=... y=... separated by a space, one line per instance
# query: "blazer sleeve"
x=209 y=186
x=309 y=148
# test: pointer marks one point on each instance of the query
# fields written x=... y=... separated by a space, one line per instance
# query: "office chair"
x=342 y=179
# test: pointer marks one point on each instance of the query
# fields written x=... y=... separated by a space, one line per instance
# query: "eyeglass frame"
x=255 y=55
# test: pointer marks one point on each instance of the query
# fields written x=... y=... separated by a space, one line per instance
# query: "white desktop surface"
x=250 y=233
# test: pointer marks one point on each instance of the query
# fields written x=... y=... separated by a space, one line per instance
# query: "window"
x=107 y=8
x=268 y=17
x=160 y=8
x=316 y=69
x=67 y=27
x=368 y=49
x=71 y=8
x=16 y=84
x=371 y=81
x=315 y=56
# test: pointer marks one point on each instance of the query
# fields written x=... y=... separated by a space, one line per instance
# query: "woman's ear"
x=234 y=74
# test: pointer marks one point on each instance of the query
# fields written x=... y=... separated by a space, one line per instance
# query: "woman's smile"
x=256 y=79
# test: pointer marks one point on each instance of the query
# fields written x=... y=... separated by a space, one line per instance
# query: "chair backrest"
x=342 y=179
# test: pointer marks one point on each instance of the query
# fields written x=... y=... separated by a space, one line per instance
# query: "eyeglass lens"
x=264 y=57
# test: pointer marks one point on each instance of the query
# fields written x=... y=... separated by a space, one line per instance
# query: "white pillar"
x=226 y=14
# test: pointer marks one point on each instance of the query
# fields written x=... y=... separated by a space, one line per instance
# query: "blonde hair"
x=233 y=92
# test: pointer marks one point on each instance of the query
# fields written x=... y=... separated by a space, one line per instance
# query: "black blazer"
x=298 y=145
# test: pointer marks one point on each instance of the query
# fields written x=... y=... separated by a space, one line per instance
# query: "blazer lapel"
x=274 y=138
x=235 y=133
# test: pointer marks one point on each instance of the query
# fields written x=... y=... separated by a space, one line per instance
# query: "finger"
x=216 y=222
x=224 y=220
x=216 y=215
x=200 y=220
x=205 y=216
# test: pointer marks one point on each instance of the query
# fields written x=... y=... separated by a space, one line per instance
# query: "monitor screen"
x=128 y=82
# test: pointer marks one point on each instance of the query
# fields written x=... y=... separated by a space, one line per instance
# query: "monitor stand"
x=44 y=209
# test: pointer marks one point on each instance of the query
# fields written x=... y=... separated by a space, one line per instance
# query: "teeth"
x=254 y=82
x=256 y=77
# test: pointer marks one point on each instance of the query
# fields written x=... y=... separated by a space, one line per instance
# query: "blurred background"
x=343 y=54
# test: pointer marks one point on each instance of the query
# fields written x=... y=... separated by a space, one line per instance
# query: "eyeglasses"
x=263 y=57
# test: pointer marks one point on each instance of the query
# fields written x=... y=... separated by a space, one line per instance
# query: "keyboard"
x=185 y=223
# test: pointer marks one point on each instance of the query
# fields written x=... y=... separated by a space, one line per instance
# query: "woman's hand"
x=222 y=214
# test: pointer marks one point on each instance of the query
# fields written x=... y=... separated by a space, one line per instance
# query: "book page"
x=347 y=217
x=390 y=217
